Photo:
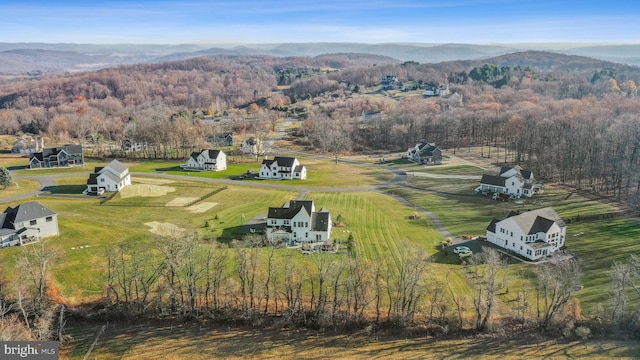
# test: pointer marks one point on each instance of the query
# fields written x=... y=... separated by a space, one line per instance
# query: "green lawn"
x=10 y=160
x=320 y=173
x=380 y=224
x=20 y=187
x=86 y=169
x=70 y=185
x=446 y=169
x=88 y=229
x=603 y=241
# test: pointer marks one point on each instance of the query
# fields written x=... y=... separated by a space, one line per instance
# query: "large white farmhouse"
x=532 y=234
x=297 y=221
x=282 y=167
x=26 y=223
x=513 y=181
x=112 y=177
x=207 y=160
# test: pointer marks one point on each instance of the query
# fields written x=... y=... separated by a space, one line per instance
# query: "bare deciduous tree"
x=556 y=282
x=484 y=286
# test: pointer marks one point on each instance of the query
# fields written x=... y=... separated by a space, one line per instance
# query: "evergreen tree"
x=5 y=177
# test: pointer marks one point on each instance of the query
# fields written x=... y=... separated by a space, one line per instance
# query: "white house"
x=112 y=177
x=26 y=223
x=297 y=221
x=425 y=153
x=442 y=90
x=282 y=167
x=513 y=181
x=207 y=160
x=532 y=234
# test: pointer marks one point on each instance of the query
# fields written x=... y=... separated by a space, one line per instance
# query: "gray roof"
x=283 y=161
x=93 y=179
x=24 y=212
x=492 y=180
x=320 y=221
x=213 y=154
x=117 y=166
x=69 y=149
x=492 y=225
x=526 y=174
x=290 y=209
x=540 y=220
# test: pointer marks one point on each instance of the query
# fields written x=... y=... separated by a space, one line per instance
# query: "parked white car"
x=461 y=249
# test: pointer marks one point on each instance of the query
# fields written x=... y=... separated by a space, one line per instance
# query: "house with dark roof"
x=282 y=167
x=25 y=223
x=223 y=139
x=297 y=221
x=425 y=153
x=531 y=234
x=206 y=160
x=112 y=177
x=68 y=155
x=513 y=181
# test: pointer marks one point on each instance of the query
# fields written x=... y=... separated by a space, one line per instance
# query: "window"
x=101 y=179
x=512 y=233
x=306 y=235
x=33 y=222
x=49 y=218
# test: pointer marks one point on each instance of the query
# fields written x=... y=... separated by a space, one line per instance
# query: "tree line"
x=571 y=120
x=251 y=282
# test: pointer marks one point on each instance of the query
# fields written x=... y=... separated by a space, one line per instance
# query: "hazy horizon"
x=484 y=22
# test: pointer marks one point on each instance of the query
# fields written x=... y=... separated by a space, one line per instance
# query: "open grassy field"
x=20 y=187
x=379 y=223
x=142 y=342
x=601 y=244
x=88 y=229
x=10 y=160
x=320 y=173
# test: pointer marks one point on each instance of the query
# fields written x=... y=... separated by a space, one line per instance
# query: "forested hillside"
x=571 y=119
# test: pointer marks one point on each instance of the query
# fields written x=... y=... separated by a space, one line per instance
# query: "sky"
x=285 y=21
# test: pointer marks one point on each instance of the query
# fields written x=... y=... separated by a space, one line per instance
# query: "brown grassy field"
x=141 y=342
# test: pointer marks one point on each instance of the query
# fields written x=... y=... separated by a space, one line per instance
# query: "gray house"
x=67 y=155
x=27 y=223
x=425 y=153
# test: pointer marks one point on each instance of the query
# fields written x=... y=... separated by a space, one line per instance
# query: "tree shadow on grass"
x=229 y=233
x=18 y=167
x=171 y=168
x=66 y=189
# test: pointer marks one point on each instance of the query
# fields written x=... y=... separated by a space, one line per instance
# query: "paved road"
x=47 y=182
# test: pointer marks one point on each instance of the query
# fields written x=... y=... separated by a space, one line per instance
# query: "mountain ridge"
x=28 y=58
